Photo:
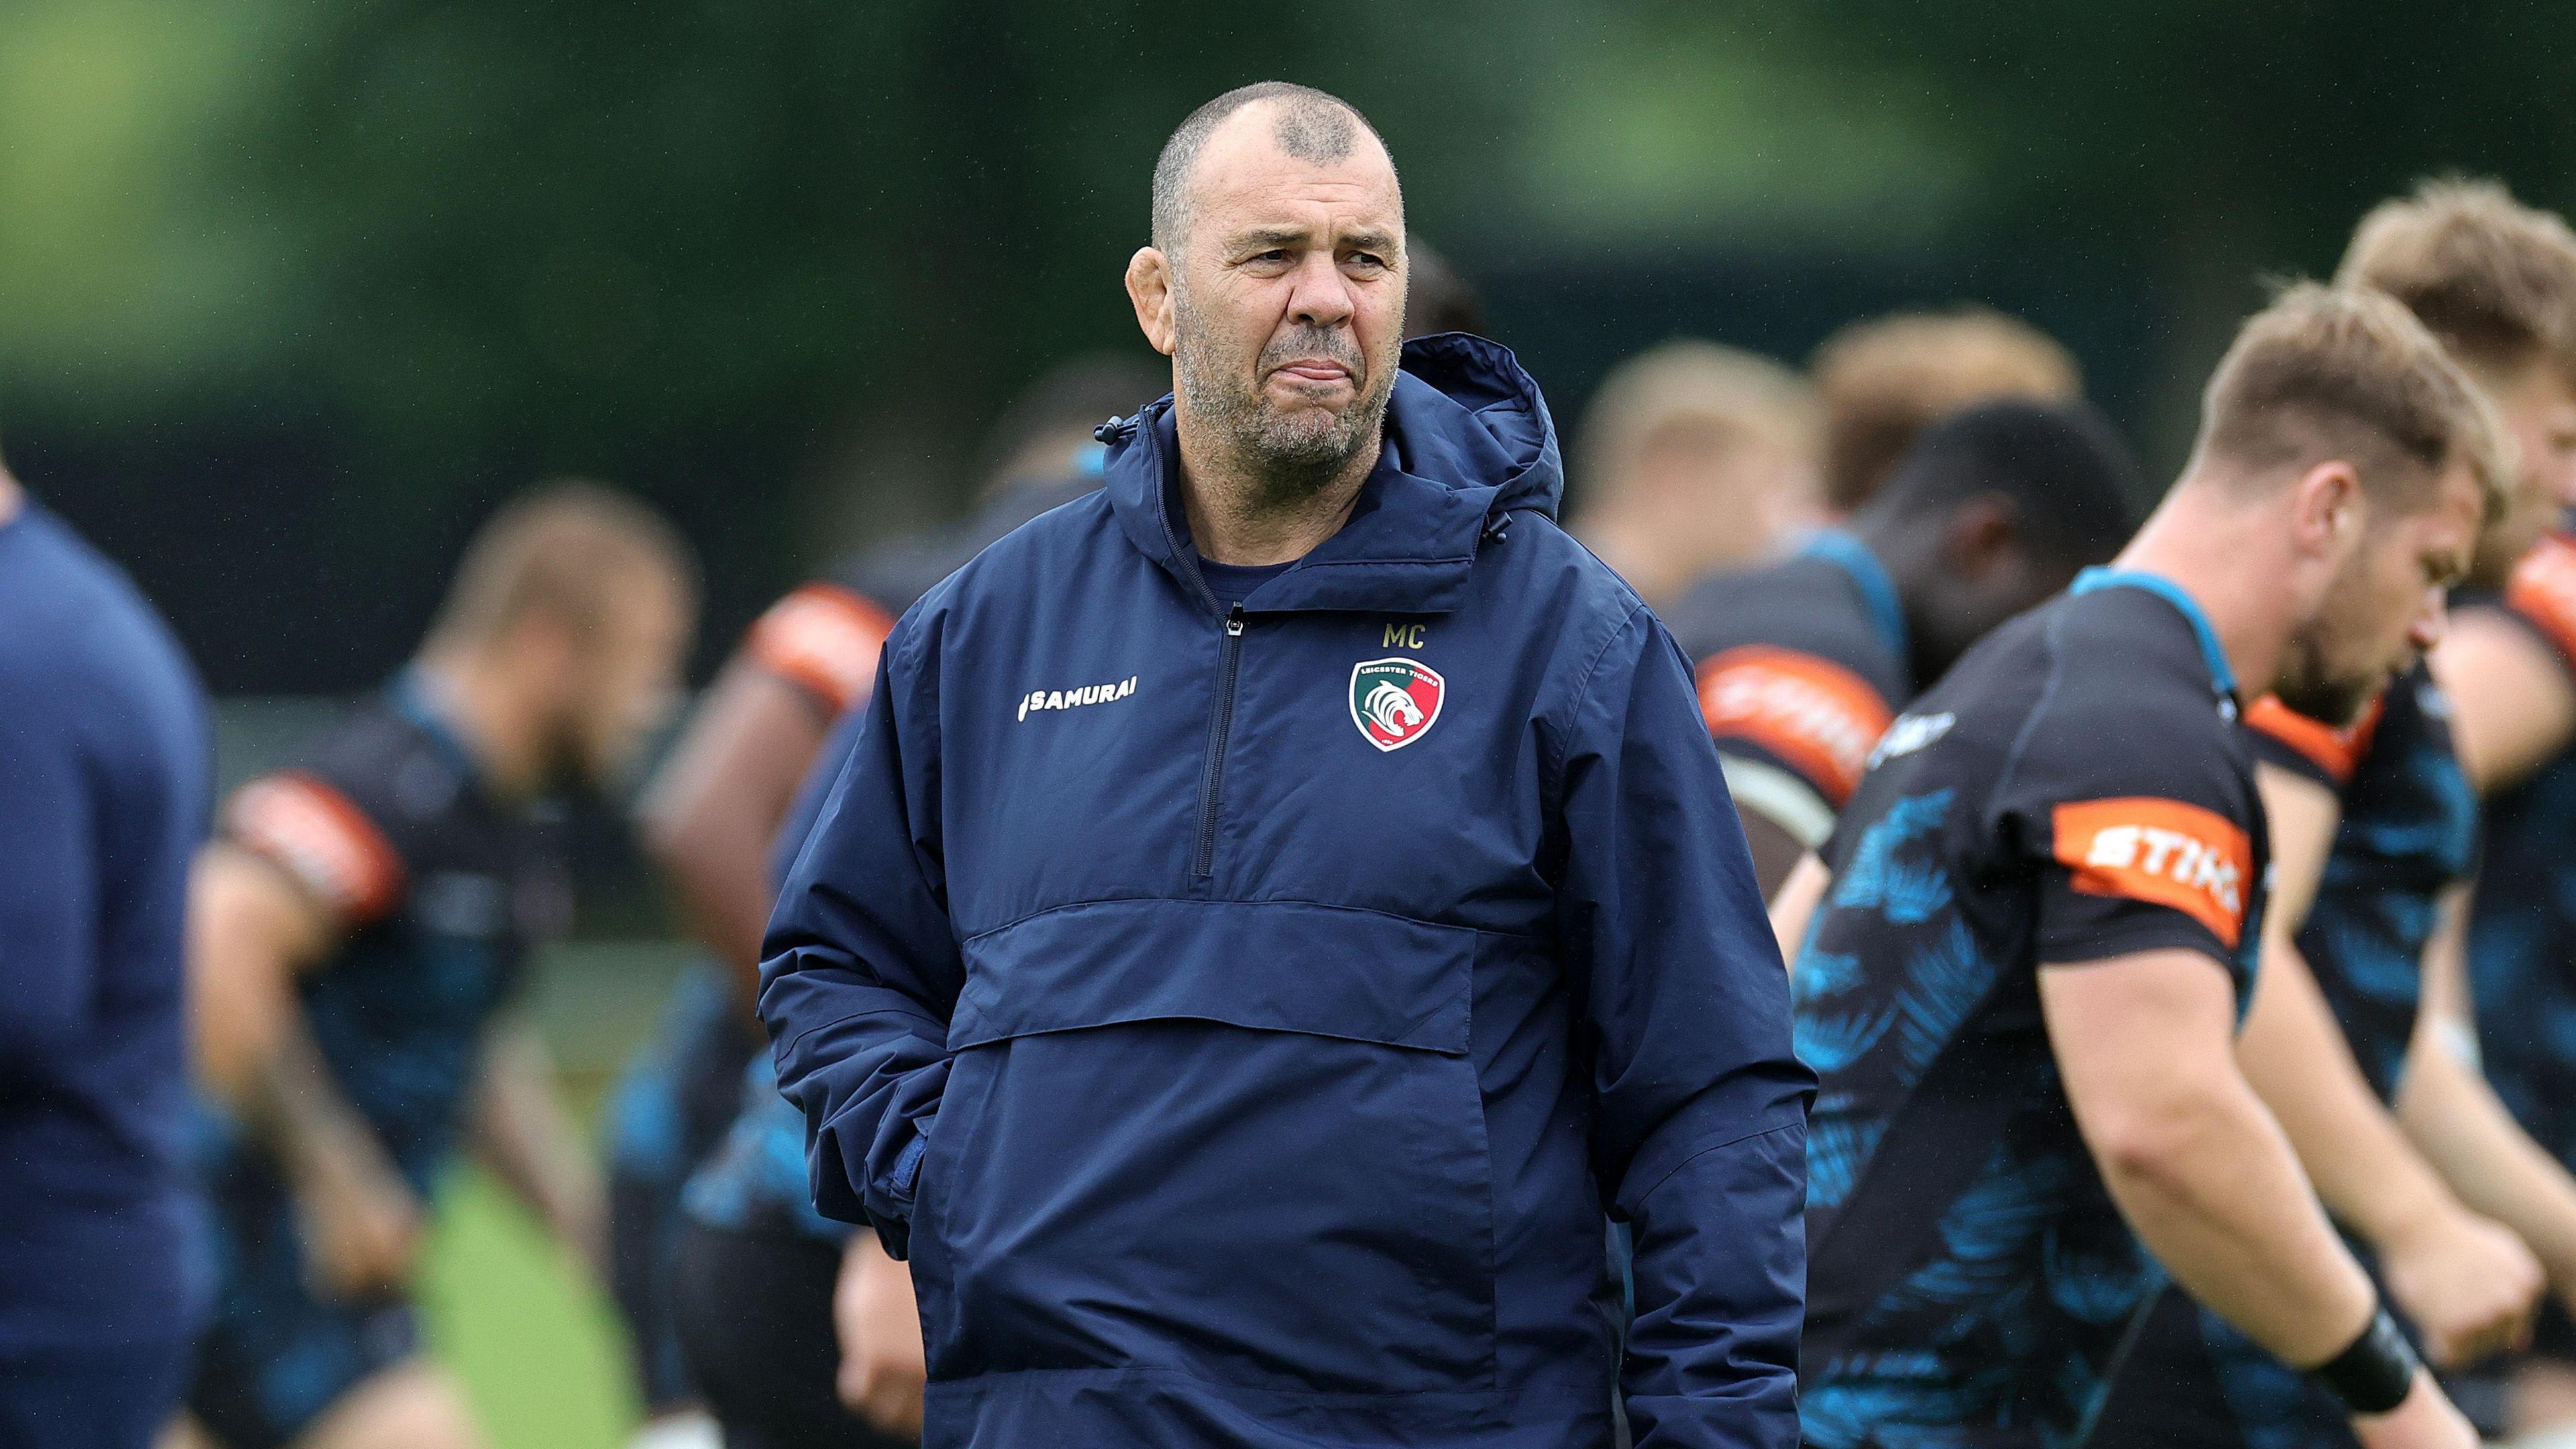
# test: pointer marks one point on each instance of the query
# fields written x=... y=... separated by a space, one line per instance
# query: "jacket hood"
x=1468 y=443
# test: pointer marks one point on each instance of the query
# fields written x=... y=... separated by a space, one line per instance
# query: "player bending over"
x=2029 y=939
x=2492 y=278
x=2374 y=830
x=357 y=931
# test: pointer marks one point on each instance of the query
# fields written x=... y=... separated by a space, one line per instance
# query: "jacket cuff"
x=889 y=1199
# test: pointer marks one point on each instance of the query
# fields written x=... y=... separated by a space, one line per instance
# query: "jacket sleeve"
x=860 y=969
x=1700 y=1105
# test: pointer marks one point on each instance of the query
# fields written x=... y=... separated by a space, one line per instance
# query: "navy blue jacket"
x=106 y=781
x=1248 y=1054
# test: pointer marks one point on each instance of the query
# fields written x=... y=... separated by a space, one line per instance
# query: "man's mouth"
x=1320 y=370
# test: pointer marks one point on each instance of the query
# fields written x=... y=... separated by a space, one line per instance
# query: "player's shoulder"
x=1792 y=673
x=823 y=636
x=1806 y=604
x=2416 y=708
x=2541 y=594
x=2326 y=753
x=400 y=773
x=2144 y=649
x=345 y=817
x=2407 y=732
x=2409 y=718
x=2128 y=768
x=828 y=633
x=2106 y=693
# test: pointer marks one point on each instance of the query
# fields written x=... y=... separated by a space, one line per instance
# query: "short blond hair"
x=563 y=548
x=2494 y=279
x=1691 y=386
x=1884 y=380
x=2347 y=373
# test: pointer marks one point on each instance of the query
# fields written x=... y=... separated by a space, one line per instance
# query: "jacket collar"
x=1467 y=442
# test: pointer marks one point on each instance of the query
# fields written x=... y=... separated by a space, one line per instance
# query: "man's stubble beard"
x=2308 y=687
x=1288 y=455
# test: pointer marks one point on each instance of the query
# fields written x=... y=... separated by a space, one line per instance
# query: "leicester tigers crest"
x=1395 y=701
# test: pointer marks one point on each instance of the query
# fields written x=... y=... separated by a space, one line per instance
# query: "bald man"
x=1276 y=906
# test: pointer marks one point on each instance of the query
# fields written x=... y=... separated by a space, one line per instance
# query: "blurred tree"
x=291 y=291
x=716 y=251
x=2214 y=144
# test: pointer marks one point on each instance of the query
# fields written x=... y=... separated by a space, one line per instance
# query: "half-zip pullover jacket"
x=1246 y=1016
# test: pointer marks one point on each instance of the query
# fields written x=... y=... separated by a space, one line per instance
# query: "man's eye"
x=1367 y=259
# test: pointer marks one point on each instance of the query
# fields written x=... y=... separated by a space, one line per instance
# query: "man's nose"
x=1323 y=294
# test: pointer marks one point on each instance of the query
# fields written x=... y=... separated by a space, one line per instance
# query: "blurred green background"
x=293 y=291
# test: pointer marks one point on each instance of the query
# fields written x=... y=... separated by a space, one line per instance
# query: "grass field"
x=539 y=1345
x=540 y=1348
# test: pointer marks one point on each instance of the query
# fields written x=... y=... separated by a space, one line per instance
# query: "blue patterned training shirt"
x=2076 y=789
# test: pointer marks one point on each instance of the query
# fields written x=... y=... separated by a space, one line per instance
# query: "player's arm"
x=1794 y=905
x=711 y=810
x=2145 y=1047
x=253 y=928
x=1698 y=1122
x=2468 y=1284
x=1774 y=850
x=2455 y=1118
x=2513 y=702
x=1792 y=729
x=711 y=813
x=523 y=1136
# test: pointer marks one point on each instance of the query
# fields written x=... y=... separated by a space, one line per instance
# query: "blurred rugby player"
x=2027 y=940
x=2373 y=832
x=1802 y=663
x=712 y=812
x=1694 y=457
x=2493 y=278
x=357 y=931
x=106 y=778
x=1883 y=381
x=795 y=1329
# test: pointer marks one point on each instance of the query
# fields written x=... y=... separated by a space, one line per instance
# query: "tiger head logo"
x=1395 y=701
x=1391 y=709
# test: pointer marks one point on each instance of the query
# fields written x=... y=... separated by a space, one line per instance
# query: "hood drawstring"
x=1115 y=430
x=1499 y=525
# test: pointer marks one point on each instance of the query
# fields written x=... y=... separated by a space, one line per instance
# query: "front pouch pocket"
x=1239 y=1141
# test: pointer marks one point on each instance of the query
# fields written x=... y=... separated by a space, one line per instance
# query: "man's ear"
x=1981 y=535
x=2325 y=506
x=1149 y=288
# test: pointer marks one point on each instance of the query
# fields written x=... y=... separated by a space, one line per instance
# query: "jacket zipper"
x=1212 y=786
